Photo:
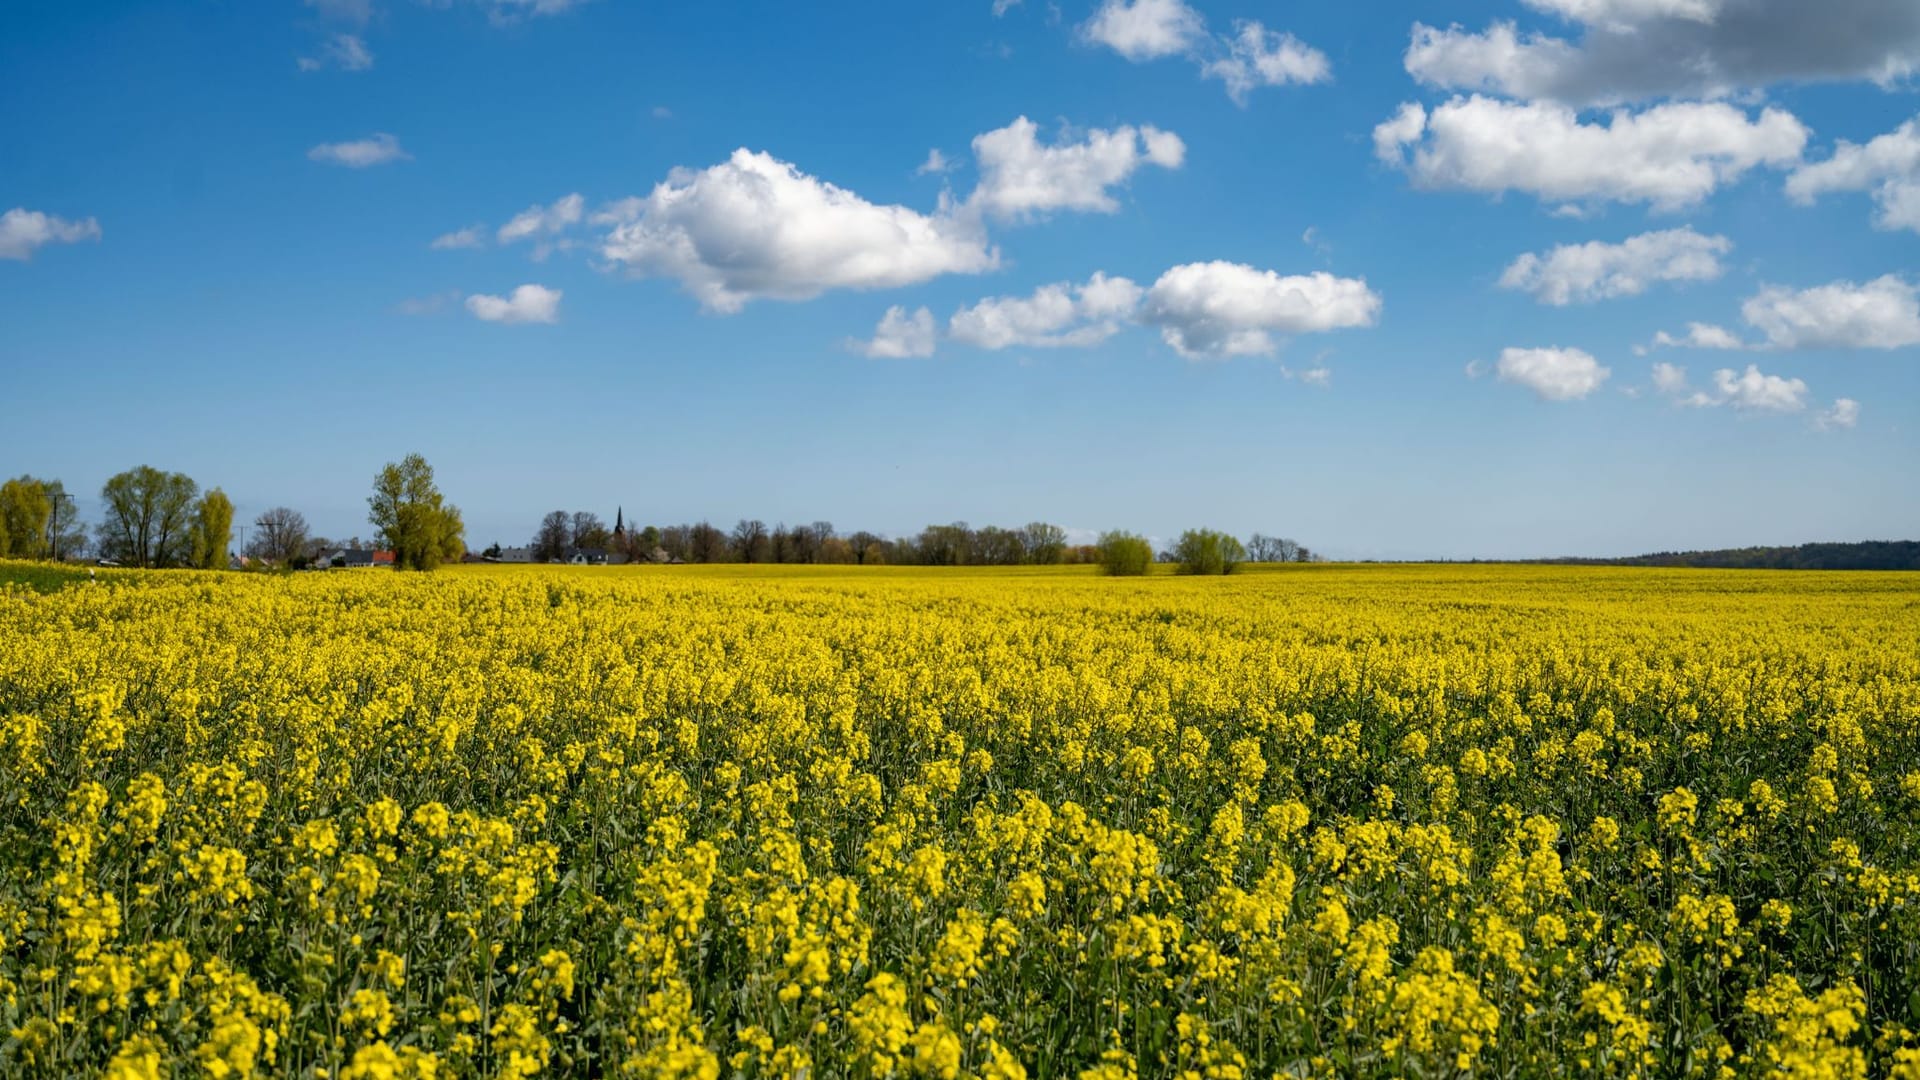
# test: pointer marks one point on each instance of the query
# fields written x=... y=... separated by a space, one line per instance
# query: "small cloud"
x=899 y=335
x=1698 y=336
x=1259 y=57
x=1669 y=379
x=1144 y=29
x=1001 y=7
x=1585 y=273
x=1749 y=390
x=508 y=12
x=936 y=164
x=1318 y=375
x=1553 y=374
x=528 y=304
x=377 y=149
x=543 y=221
x=1844 y=414
x=434 y=304
x=1220 y=309
x=348 y=52
x=469 y=237
x=1475 y=368
x=1022 y=179
x=23 y=230
x=1060 y=315
x=661 y=112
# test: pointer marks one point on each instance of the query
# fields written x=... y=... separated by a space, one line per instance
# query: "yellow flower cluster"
x=880 y=822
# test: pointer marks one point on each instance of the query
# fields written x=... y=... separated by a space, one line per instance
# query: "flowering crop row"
x=671 y=822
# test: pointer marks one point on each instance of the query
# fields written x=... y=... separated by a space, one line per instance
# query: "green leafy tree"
x=1124 y=554
x=1206 y=551
x=212 y=530
x=412 y=518
x=24 y=509
x=149 y=517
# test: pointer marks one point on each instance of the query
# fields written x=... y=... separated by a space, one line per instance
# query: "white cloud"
x=1880 y=314
x=1001 y=7
x=1259 y=57
x=469 y=237
x=1475 y=368
x=1669 y=379
x=376 y=149
x=1552 y=374
x=1638 y=50
x=23 y=230
x=1318 y=375
x=544 y=224
x=1229 y=309
x=534 y=7
x=1845 y=413
x=1751 y=389
x=1253 y=56
x=1144 y=29
x=507 y=12
x=1393 y=135
x=1583 y=273
x=1670 y=156
x=1888 y=165
x=935 y=164
x=1062 y=314
x=1628 y=12
x=900 y=335
x=1020 y=179
x=1700 y=336
x=528 y=304
x=348 y=52
x=754 y=227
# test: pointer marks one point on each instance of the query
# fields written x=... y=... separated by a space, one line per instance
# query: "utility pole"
x=53 y=523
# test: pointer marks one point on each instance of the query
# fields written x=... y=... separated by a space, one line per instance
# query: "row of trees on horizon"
x=1038 y=543
x=154 y=518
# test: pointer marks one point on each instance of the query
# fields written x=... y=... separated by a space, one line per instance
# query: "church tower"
x=619 y=523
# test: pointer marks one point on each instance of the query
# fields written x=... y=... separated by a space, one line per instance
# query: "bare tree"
x=556 y=531
x=279 y=536
x=750 y=541
x=867 y=547
x=586 y=530
x=706 y=543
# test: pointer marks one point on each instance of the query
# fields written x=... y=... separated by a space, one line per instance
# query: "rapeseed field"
x=686 y=822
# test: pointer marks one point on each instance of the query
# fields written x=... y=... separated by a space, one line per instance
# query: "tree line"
x=154 y=518
x=561 y=533
x=149 y=517
x=1864 y=555
x=158 y=519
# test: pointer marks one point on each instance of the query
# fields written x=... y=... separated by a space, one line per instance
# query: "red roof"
x=383 y=558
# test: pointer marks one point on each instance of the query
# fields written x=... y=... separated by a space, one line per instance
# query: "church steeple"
x=619 y=522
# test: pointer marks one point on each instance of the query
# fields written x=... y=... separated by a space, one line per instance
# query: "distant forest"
x=1866 y=555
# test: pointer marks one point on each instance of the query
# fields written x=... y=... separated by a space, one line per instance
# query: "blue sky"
x=1312 y=315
